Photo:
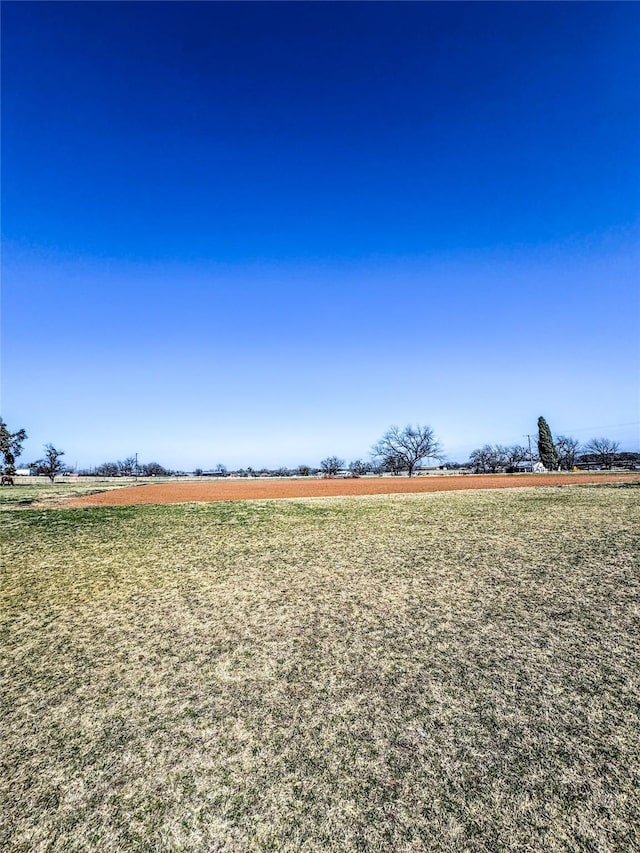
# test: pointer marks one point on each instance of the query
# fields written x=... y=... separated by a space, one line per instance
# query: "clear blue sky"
x=260 y=234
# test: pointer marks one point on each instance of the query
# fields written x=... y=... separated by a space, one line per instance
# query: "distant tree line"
x=398 y=451
x=491 y=458
x=562 y=454
x=129 y=467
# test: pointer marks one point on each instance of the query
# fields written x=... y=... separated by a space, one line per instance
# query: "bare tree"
x=513 y=455
x=603 y=449
x=501 y=456
x=358 y=467
x=153 y=469
x=483 y=459
x=51 y=464
x=407 y=447
x=127 y=467
x=567 y=450
x=393 y=465
x=107 y=469
x=490 y=458
x=331 y=465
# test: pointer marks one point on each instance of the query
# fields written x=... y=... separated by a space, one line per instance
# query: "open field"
x=294 y=487
x=446 y=672
x=127 y=491
x=34 y=490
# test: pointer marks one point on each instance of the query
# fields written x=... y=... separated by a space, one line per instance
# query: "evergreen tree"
x=546 y=448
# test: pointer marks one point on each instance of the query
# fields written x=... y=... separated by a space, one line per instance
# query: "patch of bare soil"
x=203 y=491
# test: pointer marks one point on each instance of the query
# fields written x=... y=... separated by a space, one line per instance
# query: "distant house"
x=23 y=472
x=525 y=468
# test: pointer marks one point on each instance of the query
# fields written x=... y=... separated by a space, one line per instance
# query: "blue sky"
x=259 y=234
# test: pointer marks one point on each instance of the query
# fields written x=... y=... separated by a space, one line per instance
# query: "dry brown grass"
x=40 y=492
x=446 y=672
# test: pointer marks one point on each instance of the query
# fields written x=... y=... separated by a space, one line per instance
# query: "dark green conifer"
x=546 y=447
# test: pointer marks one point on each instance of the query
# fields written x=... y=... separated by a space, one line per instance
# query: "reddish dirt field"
x=244 y=490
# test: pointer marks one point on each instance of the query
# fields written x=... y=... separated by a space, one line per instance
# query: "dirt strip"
x=309 y=487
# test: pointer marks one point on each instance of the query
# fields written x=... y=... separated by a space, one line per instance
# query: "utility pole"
x=136 y=464
x=530 y=453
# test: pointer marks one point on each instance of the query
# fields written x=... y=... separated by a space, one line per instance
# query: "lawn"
x=445 y=672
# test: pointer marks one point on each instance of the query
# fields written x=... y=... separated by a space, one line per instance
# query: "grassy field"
x=446 y=672
x=39 y=491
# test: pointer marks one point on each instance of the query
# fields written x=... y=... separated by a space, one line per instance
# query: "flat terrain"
x=251 y=489
x=455 y=671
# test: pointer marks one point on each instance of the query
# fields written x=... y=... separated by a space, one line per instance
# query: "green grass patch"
x=445 y=672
